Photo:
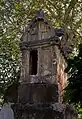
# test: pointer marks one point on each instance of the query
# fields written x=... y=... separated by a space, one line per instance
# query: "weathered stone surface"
x=59 y=107
x=38 y=93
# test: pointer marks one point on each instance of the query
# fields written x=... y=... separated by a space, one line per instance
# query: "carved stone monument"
x=42 y=80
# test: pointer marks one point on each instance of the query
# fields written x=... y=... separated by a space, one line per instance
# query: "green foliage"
x=73 y=92
x=15 y=15
x=79 y=109
x=9 y=61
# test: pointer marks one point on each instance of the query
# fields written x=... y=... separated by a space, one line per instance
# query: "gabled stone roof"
x=63 y=44
x=39 y=16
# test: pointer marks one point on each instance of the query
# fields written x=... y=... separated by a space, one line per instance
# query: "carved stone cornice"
x=24 y=45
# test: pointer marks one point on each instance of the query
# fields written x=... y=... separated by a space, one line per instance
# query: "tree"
x=73 y=91
x=15 y=15
x=8 y=62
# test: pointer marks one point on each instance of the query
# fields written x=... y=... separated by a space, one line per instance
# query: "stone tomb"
x=42 y=77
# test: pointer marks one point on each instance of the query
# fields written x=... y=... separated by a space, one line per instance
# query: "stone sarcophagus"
x=42 y=77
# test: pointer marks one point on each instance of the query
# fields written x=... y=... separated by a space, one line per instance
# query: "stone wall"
x=46 y=64
x=38 y=93
x=61 y=75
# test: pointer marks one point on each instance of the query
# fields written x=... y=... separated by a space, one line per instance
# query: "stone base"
x=37 y=111
x=44 y=111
